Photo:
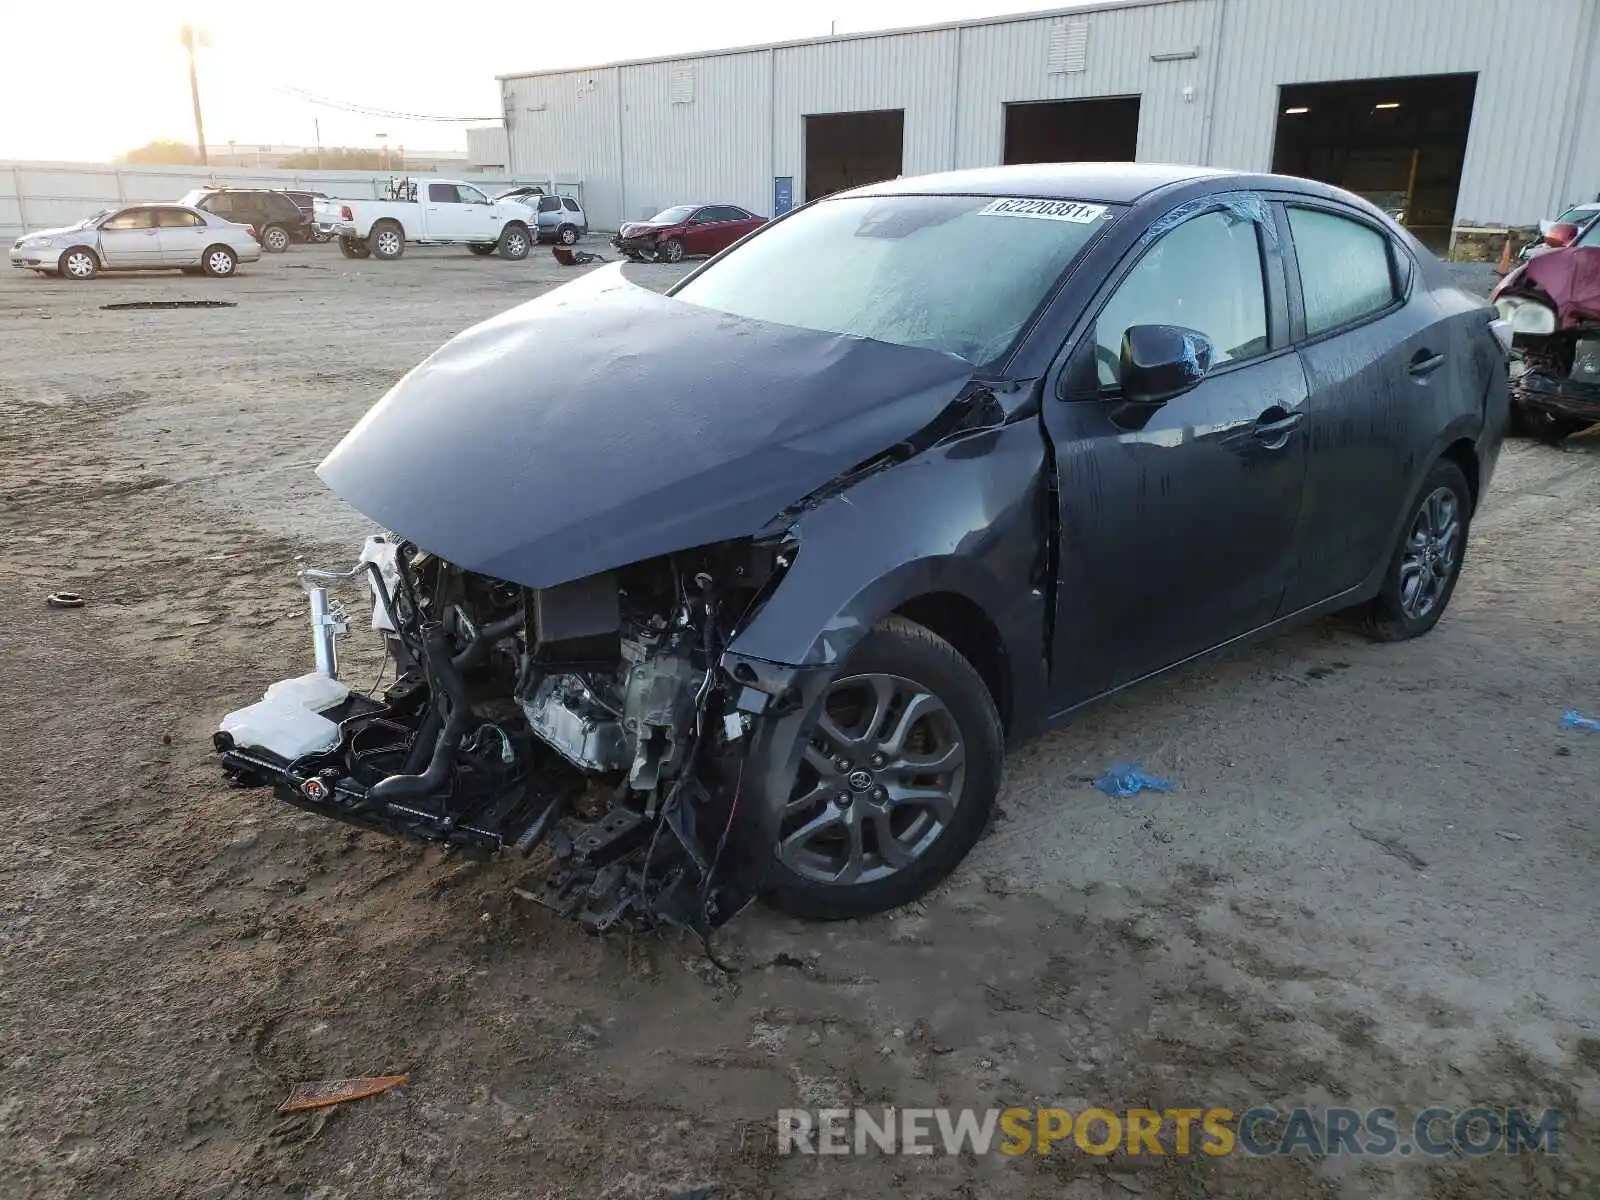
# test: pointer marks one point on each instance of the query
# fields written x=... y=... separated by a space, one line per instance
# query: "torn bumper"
x=1539 y=392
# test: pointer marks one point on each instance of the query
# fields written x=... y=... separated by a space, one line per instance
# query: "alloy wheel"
x=388 y=243
x=880 y=781
x=277 y=240
x=569 y=236
x=516 y=245
x=1431 y=553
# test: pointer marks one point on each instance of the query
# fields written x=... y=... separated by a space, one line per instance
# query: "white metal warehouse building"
x=1458 y=112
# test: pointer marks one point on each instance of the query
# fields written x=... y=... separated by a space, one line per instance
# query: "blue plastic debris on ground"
x=1125 y=779
x=1578 y=721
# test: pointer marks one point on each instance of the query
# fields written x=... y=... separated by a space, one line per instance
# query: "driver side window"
x=1207 y=275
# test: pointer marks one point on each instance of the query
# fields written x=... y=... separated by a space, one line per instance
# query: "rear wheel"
x=514 y=242
x=274 y=239
x=1426 y=564
x=219 y=262
x=898 y=781
x=568 y=235
x=79 y=263
x=670 y=251
x=387 y=241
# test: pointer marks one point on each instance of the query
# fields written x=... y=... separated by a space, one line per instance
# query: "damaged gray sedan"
x=743 y=590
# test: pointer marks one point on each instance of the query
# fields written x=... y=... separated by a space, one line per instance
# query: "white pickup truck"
x=429 y=210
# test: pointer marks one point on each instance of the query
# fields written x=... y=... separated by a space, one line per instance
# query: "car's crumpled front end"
x=581 y=537
x=1553 y=306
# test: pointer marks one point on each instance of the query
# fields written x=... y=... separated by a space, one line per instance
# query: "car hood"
x=1569 y=278
x=60 y=230
x=629 y=227
x=603 y=424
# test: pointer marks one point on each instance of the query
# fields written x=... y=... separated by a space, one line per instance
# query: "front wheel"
x=274 y=239
x=1426 y=564
x=514 y=242
x=670 y=251
x=79 y=263
x=898 y=779
x=219 y=262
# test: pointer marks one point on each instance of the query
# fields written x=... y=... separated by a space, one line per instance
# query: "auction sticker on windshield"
x=1048 y=210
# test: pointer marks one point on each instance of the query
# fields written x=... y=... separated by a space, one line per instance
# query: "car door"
x=1177 y=521
x=444 y=216
x=130 y=239
x=1372 y=362
x=549 y=215
x=700 y=233
x=480 y=219
x=182 y=236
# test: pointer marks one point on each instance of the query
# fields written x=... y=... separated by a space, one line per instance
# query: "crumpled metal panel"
x=603 y=424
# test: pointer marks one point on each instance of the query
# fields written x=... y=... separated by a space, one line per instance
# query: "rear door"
x=700 y=232
x=1377 y=360
x=1177 y=522
x=480 y=220
x=130 y=239
x=182 y=234
x=444 y=216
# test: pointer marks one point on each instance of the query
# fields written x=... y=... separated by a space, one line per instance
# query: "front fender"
x=969 y=518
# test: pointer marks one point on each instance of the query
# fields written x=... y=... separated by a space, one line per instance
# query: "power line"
x=369 y=111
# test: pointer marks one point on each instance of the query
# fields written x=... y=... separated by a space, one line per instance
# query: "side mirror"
x=1561 y=234
x=1160 y=362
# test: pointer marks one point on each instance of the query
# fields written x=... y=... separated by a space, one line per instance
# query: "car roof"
x=1109 y=182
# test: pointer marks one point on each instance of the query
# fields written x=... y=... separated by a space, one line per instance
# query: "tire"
x=959 y=719
x=670 y=251
x=387 y=241
x=354 y=248
x=219 y=261
x=80 y=263
x=515 y=242
x=568 y=235
x=481 y=251
x=275 y=239
x=1415 y=590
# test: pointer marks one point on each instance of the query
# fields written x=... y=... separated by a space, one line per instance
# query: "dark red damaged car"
x=685 y=229
x=1552 y=303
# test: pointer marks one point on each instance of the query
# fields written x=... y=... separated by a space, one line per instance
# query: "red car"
x=685 y=229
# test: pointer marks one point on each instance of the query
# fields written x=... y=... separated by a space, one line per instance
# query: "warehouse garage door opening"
x=1398 y=142
x=1101 y=130
x=846 y=150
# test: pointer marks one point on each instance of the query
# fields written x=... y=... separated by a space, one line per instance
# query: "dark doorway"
x=1399 y=142
x=846 y=150
x=1105 y=129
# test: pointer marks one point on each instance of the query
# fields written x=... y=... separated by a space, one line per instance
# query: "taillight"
x=345 y=214
x=251 y=229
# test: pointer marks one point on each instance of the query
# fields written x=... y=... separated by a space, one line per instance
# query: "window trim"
x=1088 y=323
x=1399 y=289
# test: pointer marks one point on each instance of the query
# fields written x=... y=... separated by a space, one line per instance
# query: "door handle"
x=1424 y=364
x=1273 y=431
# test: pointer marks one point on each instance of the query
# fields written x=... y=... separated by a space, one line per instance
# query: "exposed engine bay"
x=590 y=721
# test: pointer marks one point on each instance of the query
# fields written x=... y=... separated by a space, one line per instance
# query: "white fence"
x=41 y=195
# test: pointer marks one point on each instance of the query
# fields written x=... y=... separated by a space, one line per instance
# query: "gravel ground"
x=1372 y=884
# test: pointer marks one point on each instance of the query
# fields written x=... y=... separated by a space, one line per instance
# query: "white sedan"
x=139 y=237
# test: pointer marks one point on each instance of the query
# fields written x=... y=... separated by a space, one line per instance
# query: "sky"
x=120 y=77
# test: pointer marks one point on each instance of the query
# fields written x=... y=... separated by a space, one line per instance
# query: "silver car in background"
x=139 y=237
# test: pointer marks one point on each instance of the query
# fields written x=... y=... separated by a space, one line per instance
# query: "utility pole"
x=316 y=124
x=192 y=38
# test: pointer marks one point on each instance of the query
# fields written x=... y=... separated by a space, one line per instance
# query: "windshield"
x=957 y=273
x=191 y=199
x=1577 y=216
x=1591 y=235
x=671 y=216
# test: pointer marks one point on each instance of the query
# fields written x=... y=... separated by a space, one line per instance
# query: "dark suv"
x=277 y=219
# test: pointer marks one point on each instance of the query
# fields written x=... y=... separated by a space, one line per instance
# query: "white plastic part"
x=288 y=720
x=379 y=550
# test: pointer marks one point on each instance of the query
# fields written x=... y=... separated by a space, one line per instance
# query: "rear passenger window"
x=568 y=203
x=1344 y=268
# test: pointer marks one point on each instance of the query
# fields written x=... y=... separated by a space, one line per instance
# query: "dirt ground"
x=1373 y=883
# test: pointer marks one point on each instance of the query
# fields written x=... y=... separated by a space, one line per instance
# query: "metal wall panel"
x=565 y=125
x=715 y=147
x=914 y=71
x=1010 y=62
x=1524 y=113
